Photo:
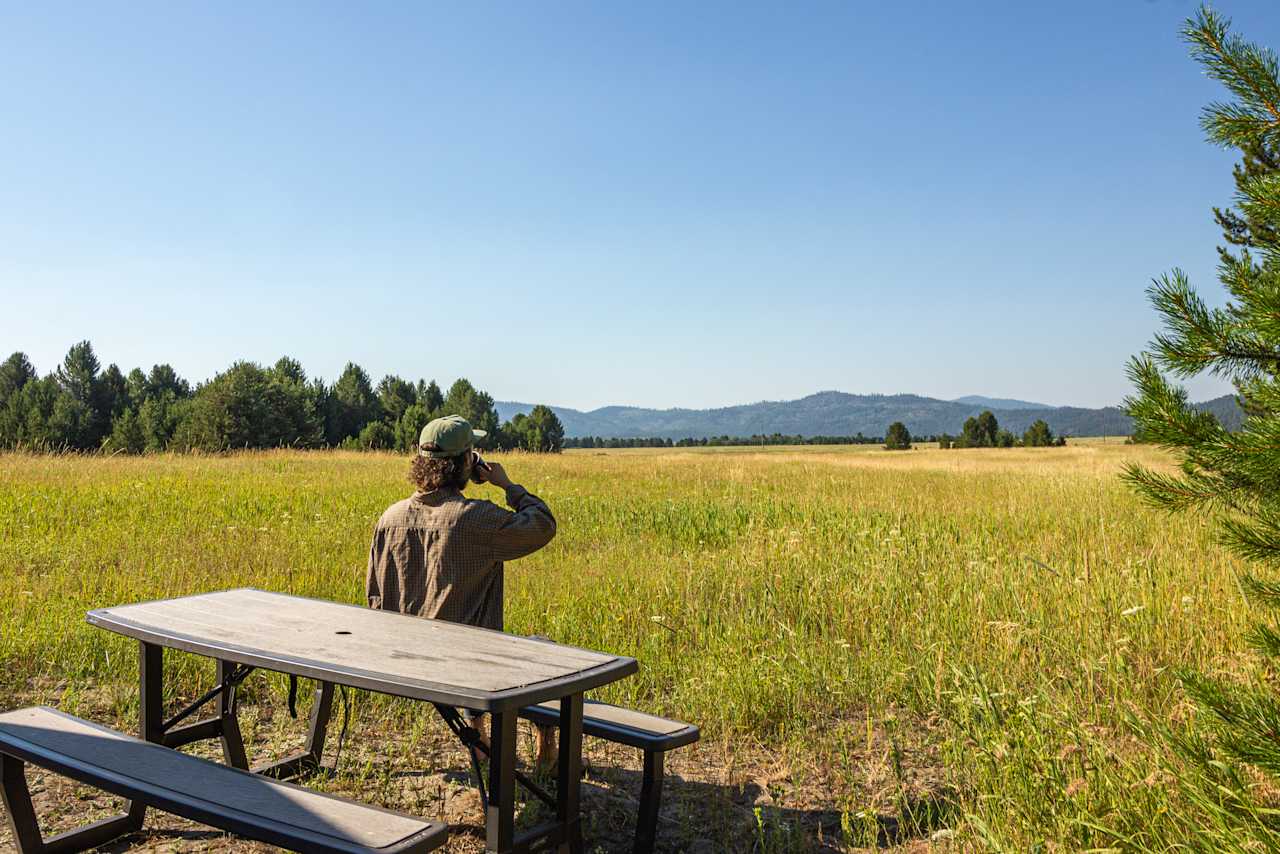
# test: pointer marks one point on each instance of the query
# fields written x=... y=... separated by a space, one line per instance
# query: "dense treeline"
x=722 y=441
x=81 y=407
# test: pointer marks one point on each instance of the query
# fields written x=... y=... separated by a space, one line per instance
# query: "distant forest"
x=81 y=407
x=717 y=441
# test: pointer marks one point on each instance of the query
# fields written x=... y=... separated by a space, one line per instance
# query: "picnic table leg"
x=650 y=798
x=17 y=802
x=150 y=692
x=150 y=710
x=321 y=709
x=232 y=742
x=500 y=818
x=25 y=827
x=309 y=759
x=569 y=775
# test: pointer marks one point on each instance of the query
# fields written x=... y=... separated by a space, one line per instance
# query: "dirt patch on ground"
x=720 y=796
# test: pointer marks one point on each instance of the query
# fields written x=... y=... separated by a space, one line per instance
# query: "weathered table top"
x=382 y=651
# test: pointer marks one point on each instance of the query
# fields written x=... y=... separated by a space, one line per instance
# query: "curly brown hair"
x=431 y=474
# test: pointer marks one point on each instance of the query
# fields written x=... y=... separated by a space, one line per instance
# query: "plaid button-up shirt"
x=439 y=554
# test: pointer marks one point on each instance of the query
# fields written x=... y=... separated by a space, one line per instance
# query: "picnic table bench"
x=150 y=775
x=651 y=734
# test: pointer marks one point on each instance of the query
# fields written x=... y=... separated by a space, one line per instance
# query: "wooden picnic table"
x=447 y=664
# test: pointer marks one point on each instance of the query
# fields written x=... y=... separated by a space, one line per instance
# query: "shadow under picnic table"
x=699 y=816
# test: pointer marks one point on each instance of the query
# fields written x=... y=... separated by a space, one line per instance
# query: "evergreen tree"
x=126 y=434
x=303 y=404
x=409 y=427
x=28 y=415
x=429 y=396
x=515 y=432
x=395 y=396
x=352 y=405
x=78 y=373
x=1234 y=760
x=289 y=370
x=158 y=420
x=1038 y=435
x=988 y=429
x=72 y=424
x=78 y=421
x=474 y=405
x=16 y=372
x=113 y=394
x=136 y=385
x=164 y=378
x=543 y=432
x=979 y=432
x=897 y=437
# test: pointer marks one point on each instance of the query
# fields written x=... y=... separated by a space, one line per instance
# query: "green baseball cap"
x=447 y=437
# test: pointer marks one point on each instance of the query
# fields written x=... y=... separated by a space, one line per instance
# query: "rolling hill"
x=994 y=403
x=835 y=413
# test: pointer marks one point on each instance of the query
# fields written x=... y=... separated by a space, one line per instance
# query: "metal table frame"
x=564 y=832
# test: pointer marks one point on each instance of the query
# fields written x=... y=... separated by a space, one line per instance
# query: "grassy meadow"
x=931 y=648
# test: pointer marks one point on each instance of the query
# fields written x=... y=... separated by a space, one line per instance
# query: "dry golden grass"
x=949 y=640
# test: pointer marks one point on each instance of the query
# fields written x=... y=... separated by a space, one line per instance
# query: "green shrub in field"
x=897 y=437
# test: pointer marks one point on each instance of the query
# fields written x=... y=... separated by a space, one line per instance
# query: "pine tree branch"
x=1241 y=67
x=1264 y=640
x=1200 y=339
x=1164 y=491
x=1261 y=591
x=1254 y=540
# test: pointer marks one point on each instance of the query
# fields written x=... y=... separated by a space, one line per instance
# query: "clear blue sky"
x=660 y=204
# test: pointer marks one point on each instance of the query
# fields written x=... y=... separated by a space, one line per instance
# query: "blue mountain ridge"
x=1000 y=402
x=837 y=413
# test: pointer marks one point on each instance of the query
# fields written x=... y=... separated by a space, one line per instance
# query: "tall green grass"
x=1019 y=609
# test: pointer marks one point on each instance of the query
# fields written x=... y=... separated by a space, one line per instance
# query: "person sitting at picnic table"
x=439 y=554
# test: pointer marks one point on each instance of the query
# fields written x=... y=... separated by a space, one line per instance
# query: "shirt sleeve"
x=373 y=580
x=530 y=527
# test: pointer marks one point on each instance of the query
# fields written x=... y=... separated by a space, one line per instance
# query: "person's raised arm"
x=530 y=527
